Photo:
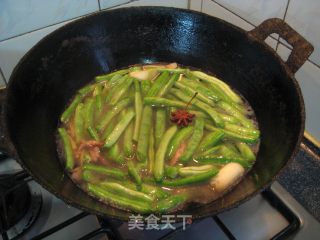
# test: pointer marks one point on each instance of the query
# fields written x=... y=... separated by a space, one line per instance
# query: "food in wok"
x=155 y=138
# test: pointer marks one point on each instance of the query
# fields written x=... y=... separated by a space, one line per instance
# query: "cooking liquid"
x=201 y=193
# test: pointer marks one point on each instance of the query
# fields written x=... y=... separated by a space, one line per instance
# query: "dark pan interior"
x=48 y=76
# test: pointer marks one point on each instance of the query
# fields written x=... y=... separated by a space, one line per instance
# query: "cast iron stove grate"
x=20 y=204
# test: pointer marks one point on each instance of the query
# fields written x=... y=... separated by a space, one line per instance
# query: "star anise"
x=181 y=116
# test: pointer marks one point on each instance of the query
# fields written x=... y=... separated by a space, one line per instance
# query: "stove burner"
x=20 y=203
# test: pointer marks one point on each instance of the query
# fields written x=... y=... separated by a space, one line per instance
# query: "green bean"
x=233 y=136
x=112 y=172
x=161 y=152
x=134 y=173
x=228 y=119
x=210 y=111
x=194 y=141
x=138 y=206
x=194 y=170
x=222 y=159
x=93 y=133
x=113 y=82
x=79 y=122
x=204 y=107
x=119 y=128
x=213 y=91
x=236 y=113
x=120 y=90
x=219 y=92
x=191 y=92
x=172 y=109
x=108 y=130
x=127 y=141
x=211 y=140
x=89 y=112
x=229 y=149
x=210 y=151
x=167 y=86
x=172 y=97
x=176 y=141
x=189 y=76
x=199 y=114
x=170 y=203
x=143 y=140
x=153 y=191
x=85 y=90
x=171 y=172
x=158 y=84
x=163 y=102
x=151 y=151
x=98 y=98
x=226 y=89
x=145 y=87
x=113 y=85
x=201 y=177
x=113 y=112
x=242 y=130
x=110 y=75
x=225 y=117
x=246 y=151
x=115 y=79
x=128 y=193
x=160 y=128
x=115 y=154
x=90 y=176
x=68 y=112
x=239 y=107
x=67 y=148
x=138 y=109
x=202 y=90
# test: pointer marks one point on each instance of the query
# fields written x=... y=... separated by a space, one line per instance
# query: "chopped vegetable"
x=119 y=128
x=67 y=148
x=161 y=153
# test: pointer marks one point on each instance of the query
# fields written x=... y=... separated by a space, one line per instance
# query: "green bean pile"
x=119 y=145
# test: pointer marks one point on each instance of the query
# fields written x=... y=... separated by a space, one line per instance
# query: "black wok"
x=52 y=71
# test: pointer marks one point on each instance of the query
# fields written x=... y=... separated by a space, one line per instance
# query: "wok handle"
x=3 y=144
x=301 y=48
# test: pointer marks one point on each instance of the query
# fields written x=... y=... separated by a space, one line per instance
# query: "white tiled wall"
x=14 y=49
x=214 y=9
x=111 y=3
x=196 y=5
x=166 y=3
x=20 y=16
x=255 y=11
x=304 y=16
x=308 y=77
x=24 y=22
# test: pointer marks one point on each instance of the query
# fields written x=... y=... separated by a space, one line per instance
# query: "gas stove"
x=30 y=212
